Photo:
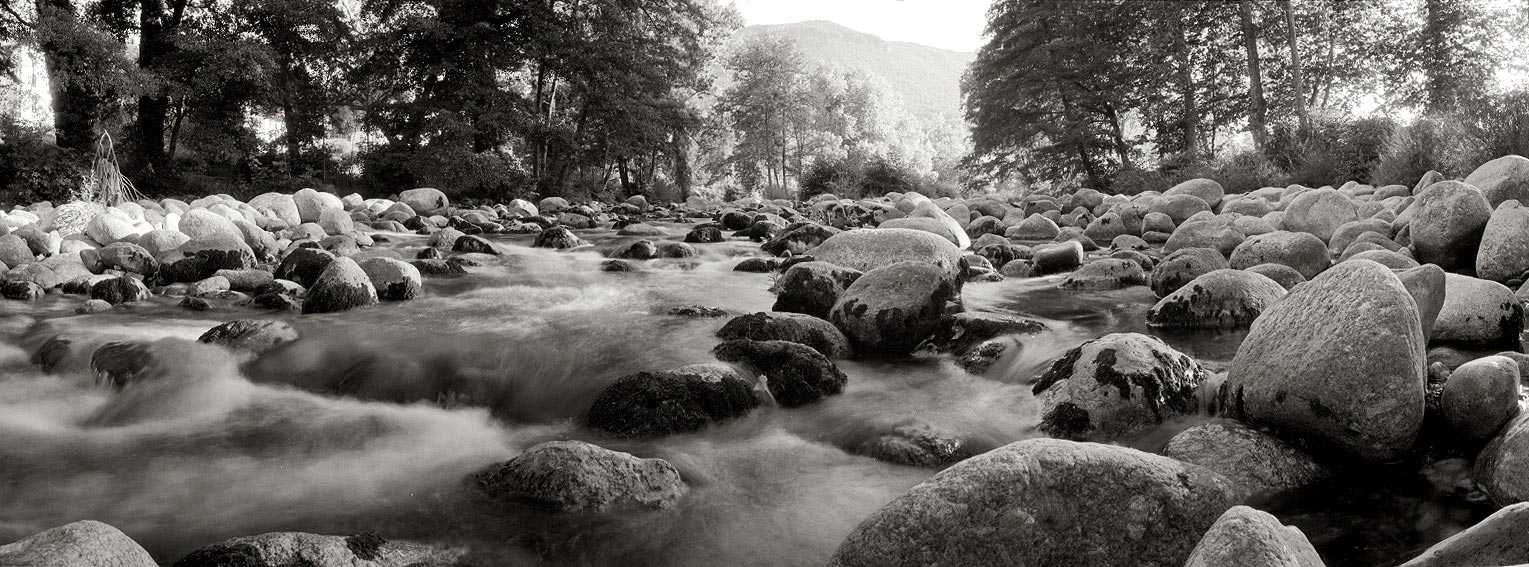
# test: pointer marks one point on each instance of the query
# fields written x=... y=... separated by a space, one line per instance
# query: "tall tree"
x=1297 y=76
x=1257 y=108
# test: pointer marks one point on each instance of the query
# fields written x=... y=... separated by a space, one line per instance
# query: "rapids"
x=375 y=418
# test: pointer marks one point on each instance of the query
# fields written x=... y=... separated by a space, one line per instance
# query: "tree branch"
x=6 y=5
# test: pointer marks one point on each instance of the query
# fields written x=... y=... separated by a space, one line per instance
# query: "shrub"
x=1500 y=127
x=1429 y=143
x=32 y=169
x=881 y=177
x=1248 y=171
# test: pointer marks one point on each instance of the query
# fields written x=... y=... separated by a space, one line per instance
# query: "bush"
x=32 y=169
x=455 y=170
x=1429 y=143
x=1334 y=151
x=1248 y=171
x=1501 y=127
x=881 y=177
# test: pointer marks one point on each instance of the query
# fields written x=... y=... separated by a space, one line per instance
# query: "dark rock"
x=816 y=333
x=255 y=336
x=681 y=400
x=795 y=374
x=574 y=476
x=890 y=310
x=121 y=289
x=1115 y=386
x=812 y=288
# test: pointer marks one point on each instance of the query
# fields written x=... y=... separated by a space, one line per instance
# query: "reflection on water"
x=376 y=417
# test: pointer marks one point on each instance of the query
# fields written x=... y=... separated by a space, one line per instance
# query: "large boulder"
x=1427 y=284
x=794 y=373
x=1300 y=250
x=277 y=206
x=394 y=279
x=304 y=265
x=121 y=289
x=574 y=476
x=1222 y=299
x=1116 y=385
x=1481 y=396
x=1182 y=267
x=1260 y=464
x=801 y=237
x=1497 y=540
x=205 y=224
x=818 y=334
x=1319 y=212
x=1178 y=207
x=297 y=549
x=1106 y=273
x=1057 y=258
x=868 y=249
x=891 y=309
x=111 y=226
x=86 y=543
x=253 y=336
x=1504 y=251
x=1448 y=219
x=1340 y=359
x=425 y=200
x=342 y=286
x=128 y=257
x=1206 y=189
x=1218 y=233
x=1478 y=312
x=1034 y=227
x=1245 y=537
x=1502 y=179
x=681 y=400
x=1045 y=502
x=812 y=288
x=1502 y=467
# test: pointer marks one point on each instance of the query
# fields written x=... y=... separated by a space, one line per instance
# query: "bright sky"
x=949 y=24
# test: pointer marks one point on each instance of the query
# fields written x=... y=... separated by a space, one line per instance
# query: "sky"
x=948 y=24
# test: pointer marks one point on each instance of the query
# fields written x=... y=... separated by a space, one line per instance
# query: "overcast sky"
x=949 y=24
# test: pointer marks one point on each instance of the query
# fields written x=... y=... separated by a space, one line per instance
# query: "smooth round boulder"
x=1182 y=267
x=1217 y=233
x=812 y=288
x=1116 y=385
x=304 y=265
x=298 y=549
x=1057 y=258
x=891 y=309
x=111 y=226
x=1300 y=250
x=867 y=249
x=681 y=400
x=1340 y=360
x=1261 y=465
x=802 y=237
x=1178 y=207
x=1496 y=540
x=1034 y=227
x=818 y=334
x=1106 y=273
x=1245 y=537
x=253 y=336
x=86 y=543
x=1448 y=219
x=128 y=257
x=1283 y=275
x=1478 y=312
x=1319 y=212
x=574 y=476
x=394 y=279
x=1504 y=251
x=794 y=373
x=342 y=286
x=1207 y=190
x=1045 y=502
x=1502 y=179
x=1223 y=299
x=425 y=200
x=1481 y=396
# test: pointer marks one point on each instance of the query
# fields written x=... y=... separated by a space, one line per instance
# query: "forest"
x=605 y=99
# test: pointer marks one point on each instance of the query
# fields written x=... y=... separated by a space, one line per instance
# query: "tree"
x=767 y=106
x=1257 y=108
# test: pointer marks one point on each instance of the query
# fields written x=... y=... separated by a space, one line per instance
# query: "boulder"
x=86 y=543
x=1045 y=502
x=1496 y=540
x=296 y=549
x=394 y=279
x=1222 y=299
x=425 y=200
x=336 y=222
x=818 y=334
x=1481 y=396
x=304 y=265
x=128 y=257
x=1182 y=267
x=795 y=374
x=1504 y=251
x=1340 y=359
x=1300 y=250
x=1448 y=219
x=812 y=288
x=1106 y=273
x=1035 y=227
x=868 y=249
x=799 y=238
x=111 y=226
x=121 y=289
x=1502 y=179
x=14 y=251
x=682 y=400
x=1478 y=312
x=278 y=206
x=1207 y=190
x=472 y=244
x=1178 y=207
x=891 y=309
x=1116 y=385
x=205 y=224
x=1319 y=212
x=342 y=286
x=1261 y=465
x=1245 y=537
x=253 y=336
x=1427 y=284
x=574 y=476
x=1218 y=233
x=1057 y=258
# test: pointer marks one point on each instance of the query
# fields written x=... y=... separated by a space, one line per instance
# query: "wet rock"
x=799 y=238
x=21 y=290
x=1497 y=540
x=128 y=257
x=439 y=267
x=915 y=444
x=1502 y=179
x=559 y=238
x=868 y=249
x=394 y=279
x=1478 y=312
x=671 y=249
x=93 y=306
x=705 y=235
x=641 y=229
x=614 y=266
x=1116 y=385
x=1223 y=299
x=682 y=400
x=118 y=290
x=757 y=265
x=1249 y=538
x=1260 y=464
x=425 y=200
x=698 y=311
x=961 y=331
x=635 y=250
x=119 y=364
x=794 y=373
x=1057 y=258
x=1340 y=359
x=1448 y=219
x=812 y=288
x=474 y=245
x=808 y=330
x=342 y=286
x=1480 y=397
x=890 y=310
x=574 y=476
x=246 y=280
x=1106 y=273
x=85 y=543
x=1302 y=251
x=1182 y=267
x=296 y=549
x=304 y=265
x=1048 y=502
x=254 y=336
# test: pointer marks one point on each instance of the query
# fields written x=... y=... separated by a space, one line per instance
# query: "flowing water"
x=376 y=418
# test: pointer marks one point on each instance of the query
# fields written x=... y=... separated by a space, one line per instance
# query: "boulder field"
x=1368 y=318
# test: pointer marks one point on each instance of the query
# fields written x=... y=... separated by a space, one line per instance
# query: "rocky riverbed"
x=1291 y=376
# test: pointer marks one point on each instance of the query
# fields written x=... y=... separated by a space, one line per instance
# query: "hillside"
x=927 y=78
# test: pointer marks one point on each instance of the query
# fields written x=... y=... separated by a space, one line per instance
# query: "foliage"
x=33 y=169
x=1430 y=143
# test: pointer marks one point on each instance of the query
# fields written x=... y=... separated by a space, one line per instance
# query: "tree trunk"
x=1117 y=135
x=1257 y=108
x=681 y=149
x=1187 y=92
x=74 y=104
x=626 y=178
x=154 y=45
x=1292 y=38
